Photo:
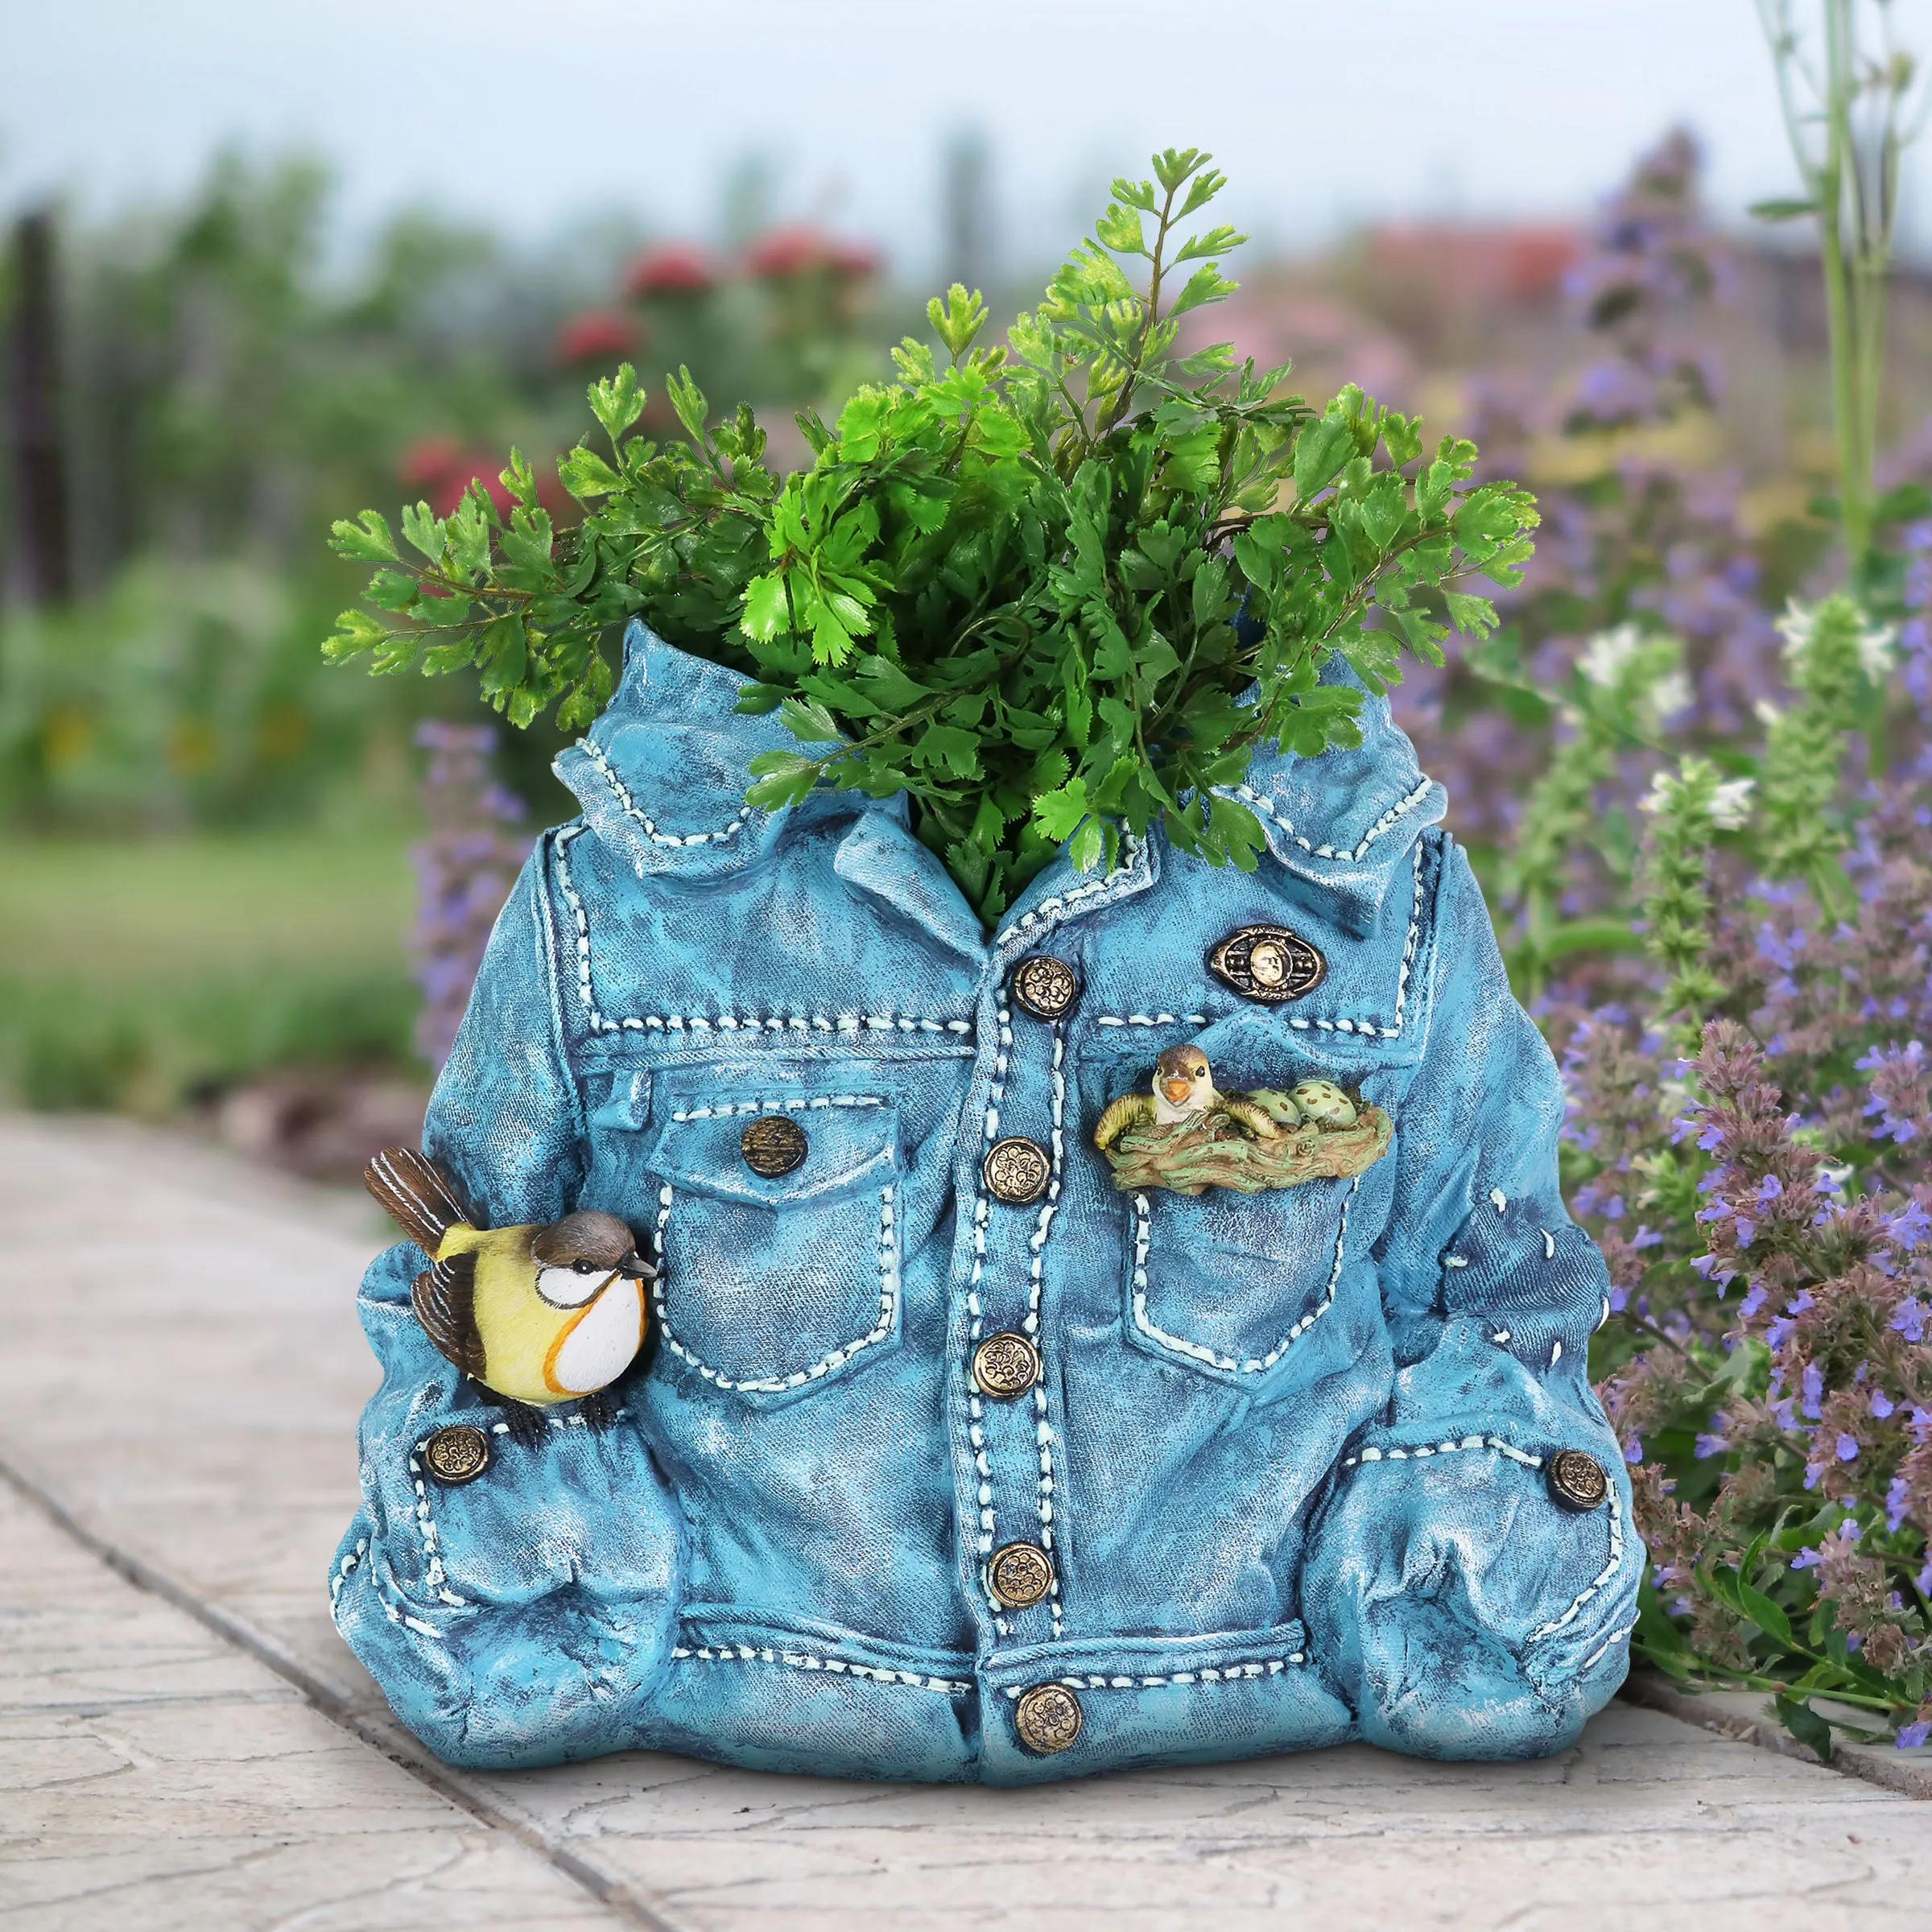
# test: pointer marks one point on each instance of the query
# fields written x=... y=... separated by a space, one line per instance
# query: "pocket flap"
x=851 y=1140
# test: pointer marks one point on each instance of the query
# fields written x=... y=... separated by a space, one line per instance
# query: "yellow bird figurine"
x=537 y=1315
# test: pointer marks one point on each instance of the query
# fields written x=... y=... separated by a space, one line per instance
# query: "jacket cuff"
x=1461 y=1599
x=511 y=1617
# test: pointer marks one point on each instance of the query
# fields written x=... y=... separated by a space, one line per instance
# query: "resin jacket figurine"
x=947 y=1457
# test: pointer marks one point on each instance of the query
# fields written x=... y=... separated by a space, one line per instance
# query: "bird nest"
x=1215 y=1152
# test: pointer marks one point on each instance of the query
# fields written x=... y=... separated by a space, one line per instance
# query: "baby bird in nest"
x=1184 y=1094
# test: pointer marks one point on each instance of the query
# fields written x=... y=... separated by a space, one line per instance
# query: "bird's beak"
x=1176 y=1090
x=636 y=1268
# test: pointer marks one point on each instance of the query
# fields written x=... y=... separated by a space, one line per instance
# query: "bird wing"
x=415 y=1195
x=1129 y=1110
x=444 y=1298
x=1249 y=1118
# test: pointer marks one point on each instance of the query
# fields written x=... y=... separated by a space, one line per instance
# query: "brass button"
x=1005 y=1365
x=459 y=1454
x=1019 y=1574
x=1045 y=987
x=774 y=1143
x=1016 y=1170
x=1267 y=963
x=1047 y=1717
x=1577 y=1481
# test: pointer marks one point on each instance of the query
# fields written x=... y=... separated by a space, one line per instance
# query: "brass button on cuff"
x=774 y=1143
x=1017 y=1171
x=1267 y=963
x=1004 y=1365
x=458 y=1454
x=1019 y=1574
x=1577 y=1481
x=1047 y=1719
x=1045 y=987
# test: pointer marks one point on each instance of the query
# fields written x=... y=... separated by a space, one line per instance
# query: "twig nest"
x=1192 y=1156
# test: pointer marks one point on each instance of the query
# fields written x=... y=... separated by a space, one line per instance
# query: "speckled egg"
x=1325 y=1104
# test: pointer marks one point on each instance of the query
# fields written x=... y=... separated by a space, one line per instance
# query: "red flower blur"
x=676 y=268
x=441 y=470
x=802 y=249
x=599 y=335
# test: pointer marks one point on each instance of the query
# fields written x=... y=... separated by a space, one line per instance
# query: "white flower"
x=1609 y=652
x=1795 y=627
x=1730 y=803
x=1875 y=642
x=1668 y=695
x=1766 y=713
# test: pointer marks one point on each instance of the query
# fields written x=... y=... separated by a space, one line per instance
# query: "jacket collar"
x=1346 y=821
x=662 y=777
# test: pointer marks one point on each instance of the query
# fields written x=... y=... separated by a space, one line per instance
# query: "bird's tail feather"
x=414 y=1195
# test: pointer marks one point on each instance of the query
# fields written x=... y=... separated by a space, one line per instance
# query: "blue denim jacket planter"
x=1288 y=1455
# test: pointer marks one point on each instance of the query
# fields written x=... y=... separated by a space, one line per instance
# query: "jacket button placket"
x=1022 y=1169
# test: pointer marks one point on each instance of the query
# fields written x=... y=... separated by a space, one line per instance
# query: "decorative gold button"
x=774 y=1143
x=1017 y=1171
x=1044 y=986
x=1019 y=1574
x=1267 y=963
x=1047 y=1717
x=1577 y=1481
x=1005 y=1365
x=458 y=1454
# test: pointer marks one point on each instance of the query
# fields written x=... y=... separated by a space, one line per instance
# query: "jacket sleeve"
x=1464 y=1612
x=516 y=1619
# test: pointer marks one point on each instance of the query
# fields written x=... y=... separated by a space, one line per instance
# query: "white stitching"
x=791 y=1103
x=1417 y=1452
x=1042 y=1425
x=341 y=1576
x=1373 y=1029
x=1208 y=1674
x=802 y=1660
x=1614 y=1637
x=1269 y=809
x=1257 y=1365
x=1135 y=851
x=1589 y=1589
x=633 y=811
x=975 y=1412
x=889 y=1300
x=433 y=1575
x=393 y=1611
x=845 y=1024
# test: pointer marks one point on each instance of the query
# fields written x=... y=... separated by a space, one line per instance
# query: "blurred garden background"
x=207 y=897
x=242 y=890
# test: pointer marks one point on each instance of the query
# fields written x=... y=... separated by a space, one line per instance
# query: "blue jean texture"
x=1287 y=1451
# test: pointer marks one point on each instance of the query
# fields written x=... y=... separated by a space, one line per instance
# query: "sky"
x=1324 y=113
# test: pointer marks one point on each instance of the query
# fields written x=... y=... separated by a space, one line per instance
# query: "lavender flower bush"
x=1715 y=887
x=464 y=870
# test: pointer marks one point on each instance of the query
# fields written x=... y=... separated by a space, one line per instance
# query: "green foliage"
x=1836 y=662
x=1031 y=586
x=1688 y=808
x=1623 y=687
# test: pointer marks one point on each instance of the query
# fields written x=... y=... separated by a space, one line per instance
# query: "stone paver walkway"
x=185 y=1742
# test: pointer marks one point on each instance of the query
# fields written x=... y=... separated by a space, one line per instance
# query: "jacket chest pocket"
x=1228 y=1283
x=770 y=1285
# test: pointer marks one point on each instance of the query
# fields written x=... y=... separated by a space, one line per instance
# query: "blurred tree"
x=967 y=211
x=42 y=564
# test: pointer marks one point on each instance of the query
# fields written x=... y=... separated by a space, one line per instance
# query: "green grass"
x=140 y=975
